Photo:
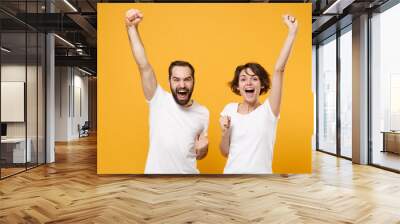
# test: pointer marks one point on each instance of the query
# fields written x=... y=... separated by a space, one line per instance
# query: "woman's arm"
x=225 y=122
x=277 y=78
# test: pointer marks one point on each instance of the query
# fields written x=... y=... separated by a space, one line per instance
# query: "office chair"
x=84 y=130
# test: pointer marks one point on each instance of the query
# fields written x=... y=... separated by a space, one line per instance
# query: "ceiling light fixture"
x=70 y=5
x=337 y=7
x=5 y=50
x=64 y=40
x=84 y=71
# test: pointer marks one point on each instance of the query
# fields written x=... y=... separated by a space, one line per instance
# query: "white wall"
x=33 y=127
x=314 y=79
x=71 y=93
x=12 y=101
x=16 y=73
x=62 y=80
x=80 y=84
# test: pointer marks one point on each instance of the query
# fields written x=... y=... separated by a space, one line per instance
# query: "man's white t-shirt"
x=173 y=130
x=252 y=140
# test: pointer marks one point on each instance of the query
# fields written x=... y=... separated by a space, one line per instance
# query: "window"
x=385 y=88
x=327 y=95
x=346 y=75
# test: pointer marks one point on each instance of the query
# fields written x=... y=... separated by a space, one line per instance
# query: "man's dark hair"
x=258 y=71
x=180 y=63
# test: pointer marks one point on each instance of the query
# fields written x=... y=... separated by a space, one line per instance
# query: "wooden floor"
x=5 y=172
x=387 y=159
x=69 y=191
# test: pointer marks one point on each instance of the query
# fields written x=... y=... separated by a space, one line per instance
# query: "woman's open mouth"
x=250 y=92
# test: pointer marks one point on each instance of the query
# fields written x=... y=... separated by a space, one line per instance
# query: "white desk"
x=18 y=149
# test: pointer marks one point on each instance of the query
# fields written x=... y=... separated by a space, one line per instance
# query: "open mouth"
x=250 y=92
x=182 y=93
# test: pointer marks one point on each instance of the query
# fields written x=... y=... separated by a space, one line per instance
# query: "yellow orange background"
x=215 y=38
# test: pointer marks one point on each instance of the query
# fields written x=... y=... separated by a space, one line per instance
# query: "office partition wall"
x=22 y=64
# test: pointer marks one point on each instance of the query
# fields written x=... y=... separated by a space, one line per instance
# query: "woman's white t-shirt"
x=252 y=140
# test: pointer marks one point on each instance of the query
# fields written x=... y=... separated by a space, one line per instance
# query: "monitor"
x=3 y=129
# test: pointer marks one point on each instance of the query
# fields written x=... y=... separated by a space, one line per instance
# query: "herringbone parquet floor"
x=69 y=191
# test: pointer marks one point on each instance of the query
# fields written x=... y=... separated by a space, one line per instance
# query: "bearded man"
x=178 y=125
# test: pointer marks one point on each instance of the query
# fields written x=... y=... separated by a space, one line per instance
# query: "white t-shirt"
x=173 y=130
x=252 y=140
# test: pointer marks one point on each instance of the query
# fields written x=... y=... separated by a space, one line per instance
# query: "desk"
x=15 y=148
x=391 y=141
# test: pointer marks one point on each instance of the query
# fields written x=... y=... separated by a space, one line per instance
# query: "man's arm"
x=201 y=146
x=149 y=83
x=277 y=78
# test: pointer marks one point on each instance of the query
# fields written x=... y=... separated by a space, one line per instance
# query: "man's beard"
x=185 y=91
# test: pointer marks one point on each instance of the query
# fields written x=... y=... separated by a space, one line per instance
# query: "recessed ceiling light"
x=84 y=71
x=5 y=50
x=64 y=40
x=338 y=6
x=70 y=5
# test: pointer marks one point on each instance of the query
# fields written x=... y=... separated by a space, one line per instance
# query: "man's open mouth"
x=182 y=93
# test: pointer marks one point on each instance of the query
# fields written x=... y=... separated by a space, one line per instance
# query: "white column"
x=50 y=99
x=360 y=90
